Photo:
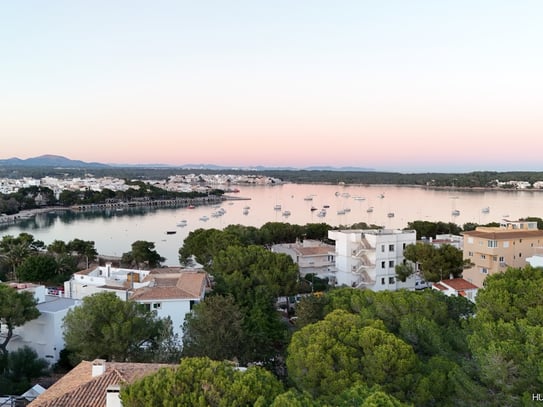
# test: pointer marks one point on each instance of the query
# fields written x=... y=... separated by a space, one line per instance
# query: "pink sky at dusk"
x=399 y=88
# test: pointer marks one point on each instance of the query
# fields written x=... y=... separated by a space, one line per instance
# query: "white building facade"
x=171 y=292
x=368 y=258
x=43 y=334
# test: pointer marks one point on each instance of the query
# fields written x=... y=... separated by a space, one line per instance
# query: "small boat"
x=326 y=206
x=341 y=212
x=171 y=232
x=245 y=211
x=308 y=198
x=247 y=207
x=347 y=210
x=370 y=209
x=277 y=207
x=182 y=223
x=322 y=213
x=359 y=198
x=381 y=196
x=456 y=212
x=204 y=218
x=286 y=213
x=345 y=195
x=486 y=209
x=313 y=208
x=337 y=193
x=390 y=214
x=191 y=206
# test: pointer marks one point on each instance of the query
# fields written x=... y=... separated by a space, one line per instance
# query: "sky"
x=392 y=85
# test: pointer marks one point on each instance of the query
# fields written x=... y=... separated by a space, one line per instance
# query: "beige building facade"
x=492 y=250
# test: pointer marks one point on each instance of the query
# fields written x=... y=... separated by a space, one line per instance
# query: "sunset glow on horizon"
x=392 y=86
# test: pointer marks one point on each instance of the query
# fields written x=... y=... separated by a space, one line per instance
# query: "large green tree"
x=38 y=268
x=106 y=327
x=214 y=329
x=202 y=382
x=435 y=263
x=203 y=244
x=16 y=308
x=14 y=250
x=332 y=355
x=143 y=253
x=507 y=335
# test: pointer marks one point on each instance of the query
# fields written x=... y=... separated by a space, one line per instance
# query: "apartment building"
x=368 y=258
x=311 y=256
x=493 y=249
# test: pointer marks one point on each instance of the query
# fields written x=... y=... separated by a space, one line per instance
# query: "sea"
x=113 y=231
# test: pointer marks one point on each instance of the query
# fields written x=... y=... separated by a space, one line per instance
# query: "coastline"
x=29 y=213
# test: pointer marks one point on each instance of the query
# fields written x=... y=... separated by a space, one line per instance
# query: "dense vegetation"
x=377 y=349
x=38 y=197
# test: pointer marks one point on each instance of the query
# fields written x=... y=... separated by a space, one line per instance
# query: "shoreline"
x=29 y=213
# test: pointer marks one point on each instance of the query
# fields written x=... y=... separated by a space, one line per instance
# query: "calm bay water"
x=114 y=231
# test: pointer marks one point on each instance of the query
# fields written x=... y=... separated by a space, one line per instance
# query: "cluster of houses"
x=364 y=259
x=177 y=183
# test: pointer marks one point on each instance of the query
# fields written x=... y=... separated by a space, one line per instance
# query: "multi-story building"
x=368 y=258
x=311 y=256
x=493 y=249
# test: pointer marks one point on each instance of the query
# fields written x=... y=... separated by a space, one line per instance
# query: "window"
x=157 y=305
x=470 y=240
x=382 y=281
x=483 y=256
x=391 y=263
x=404 y=245
x=382 y=248
x=501 y=259
x=492 y=243
x=470 y=254
x=192 y=302
x=520 y=255
x=520 y=240
x=505 y=245
x=484 y=270
x=390 y=247
x=383 y=264
x=391 y=280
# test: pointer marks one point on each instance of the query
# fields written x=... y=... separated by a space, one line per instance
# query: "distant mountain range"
x=58 y=161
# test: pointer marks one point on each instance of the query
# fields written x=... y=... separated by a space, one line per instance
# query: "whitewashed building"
x=368 y=258
x=457 y=287
x=170 y=291
x=43 y=334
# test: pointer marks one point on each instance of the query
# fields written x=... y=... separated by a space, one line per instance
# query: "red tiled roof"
x=459 y=284
x=439 y=287
x=78 y=388
x=313 y=251
x=185 y=285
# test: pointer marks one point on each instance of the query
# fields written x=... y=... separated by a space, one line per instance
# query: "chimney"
x=112 y=396
x=98 y=367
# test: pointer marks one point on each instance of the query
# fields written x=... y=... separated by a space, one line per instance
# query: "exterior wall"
x=508 y=252
x=320 y=264
x=176 y=310
x=43 y=334
x=367 y=258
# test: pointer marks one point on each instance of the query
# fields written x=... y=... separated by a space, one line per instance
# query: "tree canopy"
x=16 y=308
x=202 y=382
x=106 y=327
